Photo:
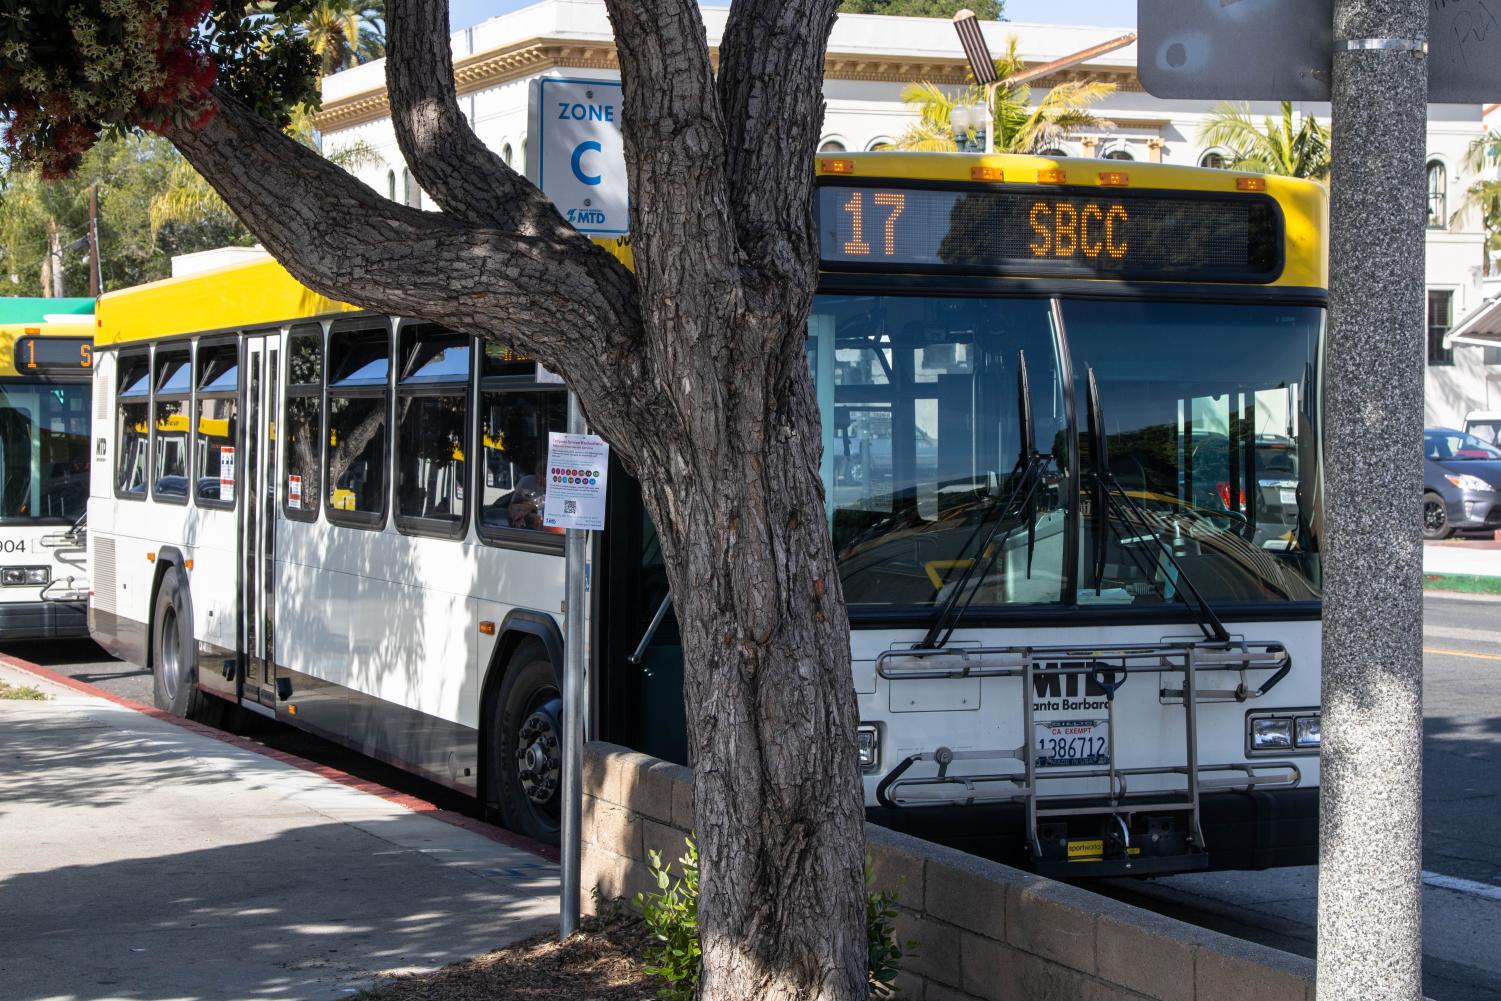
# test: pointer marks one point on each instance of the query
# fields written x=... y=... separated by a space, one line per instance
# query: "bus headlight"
x=25 y=576
x=1307 y=731
x=869 y=736
x=1271 y=734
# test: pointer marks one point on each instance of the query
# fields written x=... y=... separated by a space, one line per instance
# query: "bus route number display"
x=1040 y=232
x=53 y=354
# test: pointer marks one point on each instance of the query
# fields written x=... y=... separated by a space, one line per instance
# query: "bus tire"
x=525 y=754
x=174 y=673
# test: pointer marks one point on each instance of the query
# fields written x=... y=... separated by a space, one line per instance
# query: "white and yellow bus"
x=1071 y=459
x=46 y=356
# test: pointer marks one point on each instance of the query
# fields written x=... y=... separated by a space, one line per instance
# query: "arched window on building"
x=1118 y=153
x=880 y=143
x=410 y=193
x=1214 y=159
x=391 y=185
x=1055 y=151
x=1438 y=195
x=831 y=146
x=506 y=153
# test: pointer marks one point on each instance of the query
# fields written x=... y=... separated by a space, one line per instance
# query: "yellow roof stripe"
x=237 y=297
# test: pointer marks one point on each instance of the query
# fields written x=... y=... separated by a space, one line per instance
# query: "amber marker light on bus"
x=1115 y=178
x=1250 y=183
x=1052 y=176
x=488 y=628
x=187 y=564
x=987 y=174
x=150 y=557
x=838 y=166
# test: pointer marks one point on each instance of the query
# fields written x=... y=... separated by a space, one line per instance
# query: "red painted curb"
x=386 y=793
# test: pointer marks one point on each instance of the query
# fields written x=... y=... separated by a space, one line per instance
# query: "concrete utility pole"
x=1370 y=854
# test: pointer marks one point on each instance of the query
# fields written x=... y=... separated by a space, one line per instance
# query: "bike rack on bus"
x=1108 y=667
x=73 y=588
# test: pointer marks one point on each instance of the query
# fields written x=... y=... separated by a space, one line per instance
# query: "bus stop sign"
x=1282 y=50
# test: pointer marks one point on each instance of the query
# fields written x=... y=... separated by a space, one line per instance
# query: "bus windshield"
x=1210 y=442
x=44 y=451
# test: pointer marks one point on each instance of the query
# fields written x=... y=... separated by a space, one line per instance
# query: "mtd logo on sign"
x=581 y=163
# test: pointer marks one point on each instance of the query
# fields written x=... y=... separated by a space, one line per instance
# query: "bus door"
x=258 y=520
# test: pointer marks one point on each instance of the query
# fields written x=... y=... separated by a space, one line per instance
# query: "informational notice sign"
x=577 y=465
x=294 y=492
x=226 y=473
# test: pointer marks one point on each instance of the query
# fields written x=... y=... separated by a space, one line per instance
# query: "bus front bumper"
x=43 y=620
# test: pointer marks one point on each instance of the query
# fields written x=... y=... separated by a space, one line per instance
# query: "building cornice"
x=533 y=56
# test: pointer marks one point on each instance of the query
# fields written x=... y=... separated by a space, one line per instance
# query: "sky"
x=1109 y=13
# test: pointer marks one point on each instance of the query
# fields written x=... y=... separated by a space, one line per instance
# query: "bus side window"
x=359 y=362
x=218 y=385
x=170 y=407
x=303 y=455
x=132 y=439
x=432 y=420
x=514 y=424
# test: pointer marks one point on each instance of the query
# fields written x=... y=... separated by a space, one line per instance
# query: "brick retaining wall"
x=984 y=930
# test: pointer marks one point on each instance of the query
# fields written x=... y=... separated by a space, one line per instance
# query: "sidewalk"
x=1468 y=559
x=144 y=861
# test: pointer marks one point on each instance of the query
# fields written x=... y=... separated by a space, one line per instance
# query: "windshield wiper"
x=1110 y=497
x=1025 y=475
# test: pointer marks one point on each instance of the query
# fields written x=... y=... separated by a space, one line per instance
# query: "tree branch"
x=771 y=61
x=562 y=300
x=450 y=163
x=674 y=145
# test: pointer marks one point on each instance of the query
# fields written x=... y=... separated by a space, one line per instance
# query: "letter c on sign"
x=578 y=154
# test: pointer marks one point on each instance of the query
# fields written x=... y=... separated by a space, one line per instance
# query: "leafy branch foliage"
x=1284 y=146
x=72 y=71
x=671 y=914
x=985 y=10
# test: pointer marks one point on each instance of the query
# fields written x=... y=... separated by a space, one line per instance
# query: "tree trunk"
x=1371 y=796
x=694 y=368
x=52 y=264
x=770 y=706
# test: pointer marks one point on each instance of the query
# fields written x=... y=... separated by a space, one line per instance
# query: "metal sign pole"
x=576 y=566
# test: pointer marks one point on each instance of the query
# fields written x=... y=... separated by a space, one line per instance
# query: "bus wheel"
x=174 y=677
x=526 y=752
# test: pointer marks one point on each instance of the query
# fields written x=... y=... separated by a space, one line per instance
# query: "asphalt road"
x=1461 y=826
x=1462 y=808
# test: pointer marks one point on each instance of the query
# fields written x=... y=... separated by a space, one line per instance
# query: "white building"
x=870 y=59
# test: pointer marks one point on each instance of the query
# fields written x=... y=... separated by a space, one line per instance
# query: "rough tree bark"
x=694 y=369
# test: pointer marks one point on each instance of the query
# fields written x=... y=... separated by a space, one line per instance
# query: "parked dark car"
x=1461 y=484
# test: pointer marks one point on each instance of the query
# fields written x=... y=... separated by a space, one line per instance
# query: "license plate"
x=1071 y=743
x=1289 y=498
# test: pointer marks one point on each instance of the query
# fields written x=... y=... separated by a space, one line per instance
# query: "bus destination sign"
x=53 y=354
x=1051 y=232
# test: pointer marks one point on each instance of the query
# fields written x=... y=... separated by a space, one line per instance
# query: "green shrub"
x=671 y=914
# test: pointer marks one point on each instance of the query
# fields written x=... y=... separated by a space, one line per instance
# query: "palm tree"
x=1019 y=127
x=1483 y=196
x=343 y=33
x=1286 y=146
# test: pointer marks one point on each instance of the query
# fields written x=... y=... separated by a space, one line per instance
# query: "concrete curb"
x=412 y=803
x=1470 y=584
